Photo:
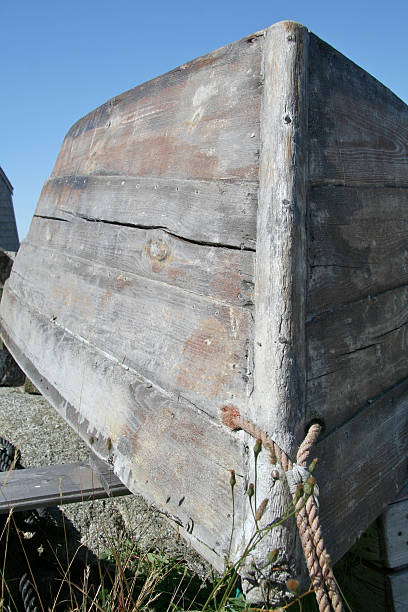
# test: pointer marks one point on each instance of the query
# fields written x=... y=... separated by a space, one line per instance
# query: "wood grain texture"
x=57 y=484
x=199 y=121
x=188 y=345
x=164 y=448
x=219 y=273
x=215 y=212
x=358 y=129
x=355 y=353
x=395 y=534
x=280 y=279
x=358 y=243
x=362 y=466
x=130 y=305
x=399 y=590
x=134 y=305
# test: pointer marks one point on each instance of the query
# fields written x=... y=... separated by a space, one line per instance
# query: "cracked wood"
x=362 y=466
x=131 y=304
x=185 y=343
x=357 y=127
x=209 y=212
x=356 y=352
x=358 y=243
x=163 y=447
x=218 y=272
x=199 y=121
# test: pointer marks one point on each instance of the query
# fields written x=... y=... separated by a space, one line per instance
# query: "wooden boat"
x=232 y=233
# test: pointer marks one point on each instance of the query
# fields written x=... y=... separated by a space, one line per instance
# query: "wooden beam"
x=278 y=402
x=58 y=484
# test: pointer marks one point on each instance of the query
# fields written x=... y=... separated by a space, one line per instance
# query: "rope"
x=317 y=558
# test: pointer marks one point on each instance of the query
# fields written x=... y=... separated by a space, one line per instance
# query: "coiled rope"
x=307 y=517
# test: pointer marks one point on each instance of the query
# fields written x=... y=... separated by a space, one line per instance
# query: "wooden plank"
x=217 y=272
x=58 y=484
x=188 y=345
x=357 y=127
x=140 y=428
x=395 y=534
x=216 y=212
x=280 y=283
x=358 y=243
x=198 y=121
x=356 y=352
x=361 y=467
x=402 y=495
x=399 y=590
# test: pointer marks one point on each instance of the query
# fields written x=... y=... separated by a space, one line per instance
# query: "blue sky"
x=59 y=60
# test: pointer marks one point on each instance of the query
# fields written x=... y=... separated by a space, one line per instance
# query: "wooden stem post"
x=280 y=284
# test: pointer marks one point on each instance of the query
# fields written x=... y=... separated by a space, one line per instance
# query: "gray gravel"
x=30 y=423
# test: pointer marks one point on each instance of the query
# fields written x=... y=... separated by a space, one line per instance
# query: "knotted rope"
x=317 y=558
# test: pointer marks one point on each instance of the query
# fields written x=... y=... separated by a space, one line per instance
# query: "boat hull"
x=224 y=235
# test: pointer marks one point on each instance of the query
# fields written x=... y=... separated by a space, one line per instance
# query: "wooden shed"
x=8 y=228
x=230 y=234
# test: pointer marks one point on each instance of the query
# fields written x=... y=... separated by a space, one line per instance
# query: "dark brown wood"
x=57 y=485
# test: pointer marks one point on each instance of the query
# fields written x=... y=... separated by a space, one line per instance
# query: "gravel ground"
x=31 y=424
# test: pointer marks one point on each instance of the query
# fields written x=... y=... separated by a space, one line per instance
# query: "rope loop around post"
x=307 y=517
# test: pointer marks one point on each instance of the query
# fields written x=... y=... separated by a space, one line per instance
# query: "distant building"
x=10 y=373
x=8 y=228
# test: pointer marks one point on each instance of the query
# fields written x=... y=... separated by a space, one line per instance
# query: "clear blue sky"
x=59 y=60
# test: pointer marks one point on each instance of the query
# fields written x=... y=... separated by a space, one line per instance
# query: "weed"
x=125 y=578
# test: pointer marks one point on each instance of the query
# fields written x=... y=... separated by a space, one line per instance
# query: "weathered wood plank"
x=217 y=272
x=140 y=362
x=395 y=534
x=198 y=121
x=57 y=485
x=402 y=495
x=355 y=353
x=128 y=421
x=216 y=212
x=361 y=467
x=280 y=282
x=399 y=590
x=186 y=344
x=358 y=243
x=357 y=127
